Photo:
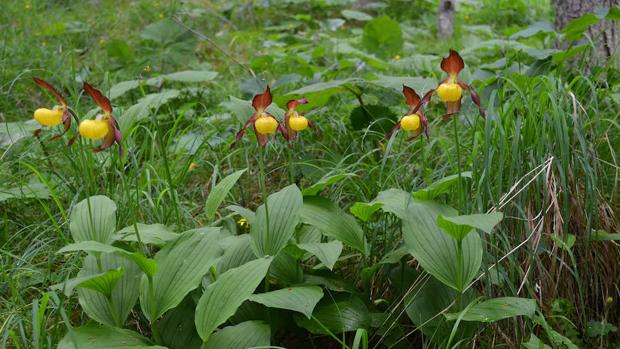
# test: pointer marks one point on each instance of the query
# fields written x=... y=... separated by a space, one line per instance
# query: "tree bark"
x=604 y=34
x=445 y=18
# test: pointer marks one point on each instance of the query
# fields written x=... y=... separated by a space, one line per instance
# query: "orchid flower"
x=450 y=90
x=263 y=122
x=103 y=125
x=414 y=122
x=295 y=121
x=59 y=114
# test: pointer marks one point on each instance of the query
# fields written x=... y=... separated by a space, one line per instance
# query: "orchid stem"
x=458 y=159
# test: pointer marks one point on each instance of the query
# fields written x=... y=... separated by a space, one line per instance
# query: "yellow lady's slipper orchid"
x=263 y=122
x=451 y=89
x=94 y=129
x=49 y=117
x=295 y=121
x=55 y=116
x=414 y=121
x=104 y=126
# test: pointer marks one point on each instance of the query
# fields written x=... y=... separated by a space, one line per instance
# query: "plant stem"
x=458 y=159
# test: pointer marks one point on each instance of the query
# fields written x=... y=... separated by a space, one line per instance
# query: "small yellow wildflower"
x=609 y=300
x=147 y=69
x=382 y=146
x=243 y=222
x=397 y=58
x=192 y=166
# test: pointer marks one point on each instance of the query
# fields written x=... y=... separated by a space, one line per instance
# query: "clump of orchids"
x=449 y=90
x=265 y=124
x=103 y=126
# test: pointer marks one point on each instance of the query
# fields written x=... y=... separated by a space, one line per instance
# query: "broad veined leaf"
x=219 y=192
x=274 y=223
x=356 y=15
x=123 y=87
x=327 y=252
x=436 y=251
x=363 y=210
x=31 y=190
x=114 y=310
x=326 y=181
x=103 y=337
x=142 y=109
x=102 y=282
x=243 y=212
x=147 y=265
x=286 y=267
x=181 y=265
x=535 y=343
x=332 y=221
x=497 y=309
x=442 y=186
x=459 y=226
x=237 y=252
x=176 y=327
x=341 y=315
x=383 y=37
x=248 y=334
x=190 y=76
x=222 y=298
x=156 y=234
x=93 y=218
x=301 y=299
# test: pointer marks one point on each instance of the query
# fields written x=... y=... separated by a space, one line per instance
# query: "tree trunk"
x=445 y=18
x=604 y=34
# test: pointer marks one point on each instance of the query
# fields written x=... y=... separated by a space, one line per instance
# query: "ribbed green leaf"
x=237 y=252
x=332 y=221
x=442 y=186
x=181 y=265
x=283 y=213
x=219 y=192
x=324 y=182
x=301 y=299
x=459 y=226
x=176 y=327
x=342 y=315
x=245 y=335
x=103 y=337
x=97 y=223
x=222 y=298
x=112 y=311
x=147 y=265
x=101 y=282
x=156 y=234
x=497 y=309
x=327 y=252
x=435 y=250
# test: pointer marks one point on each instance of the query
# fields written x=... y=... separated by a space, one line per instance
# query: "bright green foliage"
x=222 y=298
x=301 y=299
x=104 y=337
x=274 y=223
x=94 y=218
x=496 y=309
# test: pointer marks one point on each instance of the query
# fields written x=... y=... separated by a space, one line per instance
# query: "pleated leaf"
x=101 y=282
x=181 y=265
x=327 y=252
x=442 y=186
x=93 y=218
x=283 y=210
x=459 y=226
x=340 y=315
x=147 y=265
x=301 y=299
x=220 y=191
x=222 y=298
x=155 y=234
x=248 y=334
x=435 y=250
x=238 y=252
x=113 y=312
x=103 y=337
x=332 y=221
x=497 y=309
